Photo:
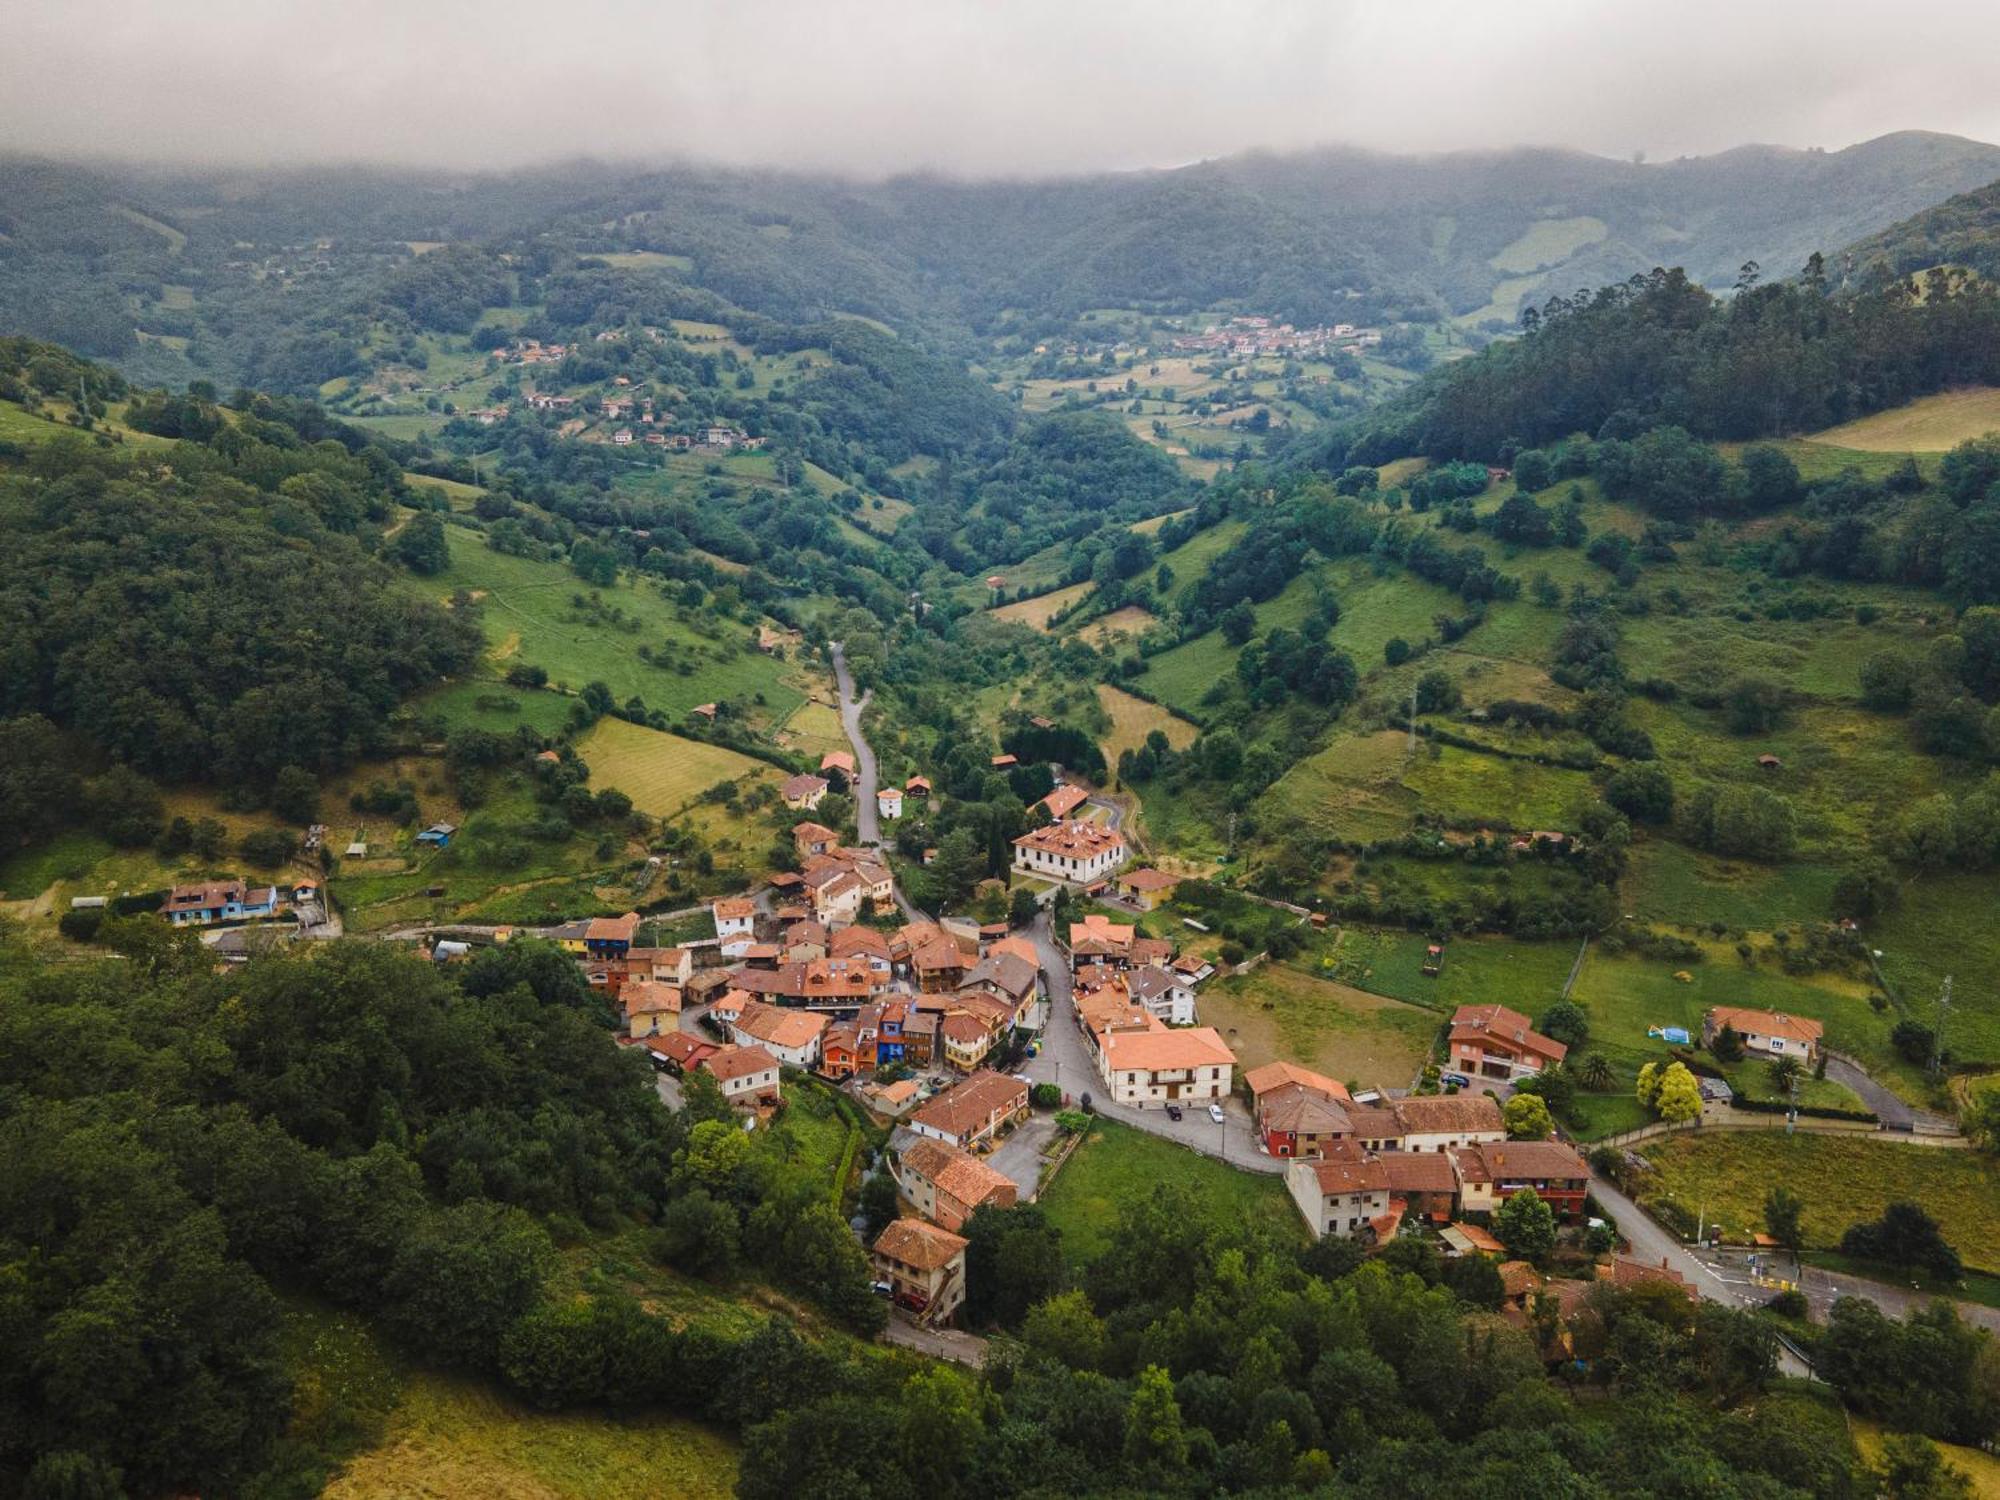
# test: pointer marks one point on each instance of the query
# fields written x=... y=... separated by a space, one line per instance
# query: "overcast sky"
x=1004 y=86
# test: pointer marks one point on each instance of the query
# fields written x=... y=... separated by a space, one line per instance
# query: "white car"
x=1215 y=1113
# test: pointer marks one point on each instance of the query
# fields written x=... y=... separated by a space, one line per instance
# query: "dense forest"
x=1658 y=350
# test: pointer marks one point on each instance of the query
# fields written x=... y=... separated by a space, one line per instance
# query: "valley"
x=706 y=831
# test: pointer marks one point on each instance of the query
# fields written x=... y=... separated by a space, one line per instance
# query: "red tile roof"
x=924 y=1247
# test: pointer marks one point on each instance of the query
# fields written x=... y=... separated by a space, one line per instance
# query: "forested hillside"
x=230 y=264
x=1962 y=232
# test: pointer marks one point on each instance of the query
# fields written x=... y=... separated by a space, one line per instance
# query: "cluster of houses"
x=1359 y=1169
x=1135 y=1006
x=209 y=903
x=530 y=352
x=935 y=1159
x=1251 y=336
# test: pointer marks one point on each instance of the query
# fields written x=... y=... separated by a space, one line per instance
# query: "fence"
x=1729 y=1119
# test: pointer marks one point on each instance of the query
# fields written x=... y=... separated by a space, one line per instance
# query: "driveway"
x=1896 y=1112
x=1065 y=1060
x=1019 y=1157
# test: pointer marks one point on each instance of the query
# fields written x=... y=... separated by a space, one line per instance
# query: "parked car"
x=1457 y=1080
x=1173 y=1112
x=880 y=1288
x=1215 y=1113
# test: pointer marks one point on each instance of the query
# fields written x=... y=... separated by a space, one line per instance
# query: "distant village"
x=621 y=420
x=1251 y=336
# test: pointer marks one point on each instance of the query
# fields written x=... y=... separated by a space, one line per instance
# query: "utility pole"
x=1937 y=1037
x=1792 y=1114
x=1413 y=723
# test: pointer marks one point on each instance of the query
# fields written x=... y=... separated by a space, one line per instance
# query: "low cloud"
x=971 y=86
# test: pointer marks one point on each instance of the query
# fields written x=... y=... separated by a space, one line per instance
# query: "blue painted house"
x=215 y=901
x=438 y=835
x=611 y=937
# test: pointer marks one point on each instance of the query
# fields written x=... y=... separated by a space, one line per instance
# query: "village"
x=977 y=1047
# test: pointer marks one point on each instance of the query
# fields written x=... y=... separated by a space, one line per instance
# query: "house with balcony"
x=975 y=1112
x=1491 y=1041
x=924 y=1267
x=610 y=937
x=1493 y=1171
x=1164 y=1065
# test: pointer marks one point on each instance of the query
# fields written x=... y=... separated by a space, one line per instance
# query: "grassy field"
x=646 y=260
x=1277 y=1011
x=1944 y=927
x=1675 y=886
x=1624 y=995
x=452 y=1438
x=1477 y=971
x=662 y=772
x=1548 y=241
x=1132 y=719
x=813 y=729
x=1182 y=675
x=1981 y=1468
x=542 y=613
x=1035 y=612
x=1930 y=424
x=1131 y=621
x=1842 y=1181
x=495 y=706
x=1351 y=789
x=1468 y=790
x=1118 y=1165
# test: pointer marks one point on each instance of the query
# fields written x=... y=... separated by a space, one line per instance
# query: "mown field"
x=1035 y=612
x=1118 y=1165
x=1930 y=424
x=662 y=772
x=1841 y=1180
x=1132 y=719
x=1126 y=623
x=494 y=706
x=1547 y=241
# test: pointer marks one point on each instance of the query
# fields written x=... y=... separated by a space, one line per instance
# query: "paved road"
x=939 y=1343
x=1065 y=1060
x=866 y=822
x=1893 y=1109
x=867 y=825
